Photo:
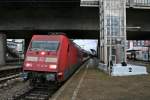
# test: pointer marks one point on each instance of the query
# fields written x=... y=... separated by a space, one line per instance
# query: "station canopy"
x=39 y=3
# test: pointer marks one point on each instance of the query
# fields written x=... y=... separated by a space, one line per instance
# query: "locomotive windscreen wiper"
x=37 y=49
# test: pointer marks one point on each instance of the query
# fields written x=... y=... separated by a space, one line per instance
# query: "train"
x=138 y=55
x=51 y=58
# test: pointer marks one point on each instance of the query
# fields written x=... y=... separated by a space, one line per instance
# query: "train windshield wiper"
x=36 y=49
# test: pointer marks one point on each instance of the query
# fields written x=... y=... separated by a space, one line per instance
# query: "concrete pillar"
x=2 y=49
x=27 y=41
x=98 y=49
x=131 y=3
x=105 y=55
x=148 y=53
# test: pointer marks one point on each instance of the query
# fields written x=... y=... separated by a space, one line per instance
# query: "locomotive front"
x=41 y=62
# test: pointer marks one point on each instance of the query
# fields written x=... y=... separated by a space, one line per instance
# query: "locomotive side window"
x=45 y=45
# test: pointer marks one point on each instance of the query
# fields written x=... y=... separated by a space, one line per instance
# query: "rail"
x=40 y=92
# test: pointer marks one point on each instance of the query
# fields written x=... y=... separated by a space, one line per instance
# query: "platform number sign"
x=130 y=69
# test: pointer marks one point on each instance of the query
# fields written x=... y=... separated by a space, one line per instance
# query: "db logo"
x=130 y=69
x=41 y=59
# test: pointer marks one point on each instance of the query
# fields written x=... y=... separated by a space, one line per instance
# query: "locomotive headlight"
x=43 y=53
x=52 y=66
x=28 y=65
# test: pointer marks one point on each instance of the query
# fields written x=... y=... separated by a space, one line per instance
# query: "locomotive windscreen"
x=44 y=45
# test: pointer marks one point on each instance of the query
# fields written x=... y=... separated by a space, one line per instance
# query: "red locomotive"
x=51 y=58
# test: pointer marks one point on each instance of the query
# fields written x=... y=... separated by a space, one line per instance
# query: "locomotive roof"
x=48 y=37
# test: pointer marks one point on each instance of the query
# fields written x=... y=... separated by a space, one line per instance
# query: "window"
x=44 y=45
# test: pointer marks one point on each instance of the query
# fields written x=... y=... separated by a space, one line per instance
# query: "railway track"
x=39 y=92
x=4 y=79
x=8 y=74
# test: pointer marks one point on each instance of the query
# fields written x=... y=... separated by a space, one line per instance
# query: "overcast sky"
x=87 y=44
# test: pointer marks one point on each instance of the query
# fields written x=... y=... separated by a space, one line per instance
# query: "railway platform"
x=90 y=83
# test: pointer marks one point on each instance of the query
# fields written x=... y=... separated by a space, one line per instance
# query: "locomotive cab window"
x=45 y=45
